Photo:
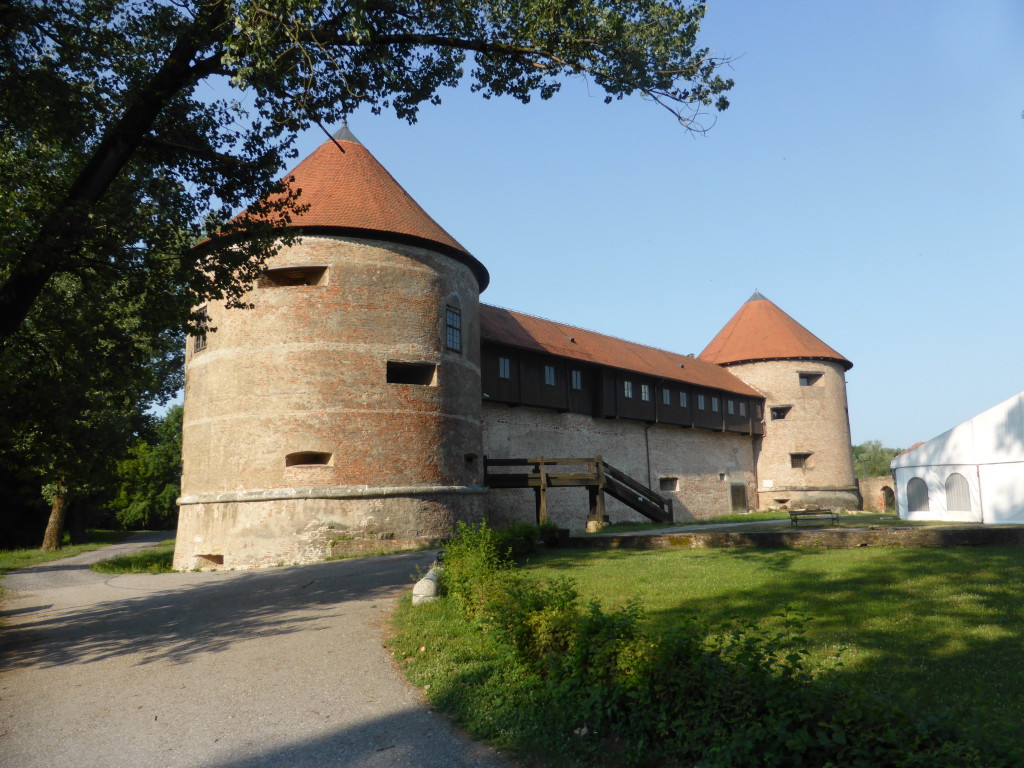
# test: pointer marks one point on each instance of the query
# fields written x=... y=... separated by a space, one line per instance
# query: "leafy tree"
x=75 y=383
x=871 y=459
x=149 y=480
x=121 y=154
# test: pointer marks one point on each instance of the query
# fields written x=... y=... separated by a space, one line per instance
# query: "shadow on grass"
x=180 y=615
x=939 y=629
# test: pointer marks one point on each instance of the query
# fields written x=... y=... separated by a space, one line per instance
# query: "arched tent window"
x=917 y=495
x=958 y=493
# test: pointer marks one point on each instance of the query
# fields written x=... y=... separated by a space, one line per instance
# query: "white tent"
x=972 y=473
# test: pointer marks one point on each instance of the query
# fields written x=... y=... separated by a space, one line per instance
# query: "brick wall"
x=305 y=370
x=873 y=493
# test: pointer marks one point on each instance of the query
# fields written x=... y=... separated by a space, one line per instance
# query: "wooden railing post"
x=542 y=493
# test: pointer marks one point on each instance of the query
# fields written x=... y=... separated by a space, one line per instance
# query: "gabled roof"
x=504 y=326
x=349 y=192
x=762 y=331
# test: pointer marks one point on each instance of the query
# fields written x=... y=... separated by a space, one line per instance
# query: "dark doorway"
x=888 y=499
x=739 y=497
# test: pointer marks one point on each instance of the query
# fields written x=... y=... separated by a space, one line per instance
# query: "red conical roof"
x=348 y=191
x=762 y=331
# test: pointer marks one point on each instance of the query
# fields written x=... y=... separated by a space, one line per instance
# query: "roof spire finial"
x=757 y=296
x=344 y=134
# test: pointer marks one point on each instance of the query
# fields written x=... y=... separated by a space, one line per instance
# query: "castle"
x=355 y=404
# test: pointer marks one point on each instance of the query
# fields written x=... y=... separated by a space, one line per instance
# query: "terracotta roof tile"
x=504 y=326
x=762 y=331
x=347 y=190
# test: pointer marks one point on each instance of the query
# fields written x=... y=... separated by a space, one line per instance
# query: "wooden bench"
x=796 y=515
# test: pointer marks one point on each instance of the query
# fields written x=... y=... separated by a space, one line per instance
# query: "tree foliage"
x=132 y=130
x=128 y=157
x=871 y=459
x=149 y=479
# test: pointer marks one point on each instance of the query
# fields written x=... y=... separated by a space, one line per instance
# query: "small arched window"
x=917 y=495
x=958 y=493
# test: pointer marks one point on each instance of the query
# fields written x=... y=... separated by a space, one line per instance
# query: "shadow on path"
x=180 y=619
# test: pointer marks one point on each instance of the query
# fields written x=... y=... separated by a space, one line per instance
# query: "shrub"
x=519 y=540
x=472 y=560
x=614 y=693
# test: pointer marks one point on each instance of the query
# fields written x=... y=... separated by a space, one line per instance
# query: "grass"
x=937 y=628
x=859 y=520
x=156 y=559
x=12 y=559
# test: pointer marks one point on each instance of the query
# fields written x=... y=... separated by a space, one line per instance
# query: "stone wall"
x=703 y=465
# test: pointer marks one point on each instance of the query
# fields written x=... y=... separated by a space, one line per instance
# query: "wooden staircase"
x=595 y=474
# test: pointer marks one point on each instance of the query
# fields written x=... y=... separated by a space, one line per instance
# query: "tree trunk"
x=54 y=535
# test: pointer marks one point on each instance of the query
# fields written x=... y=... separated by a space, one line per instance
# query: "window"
x=202 y=321
x=666 y=397
x=684 y=401
x=627 y=389
x=780 y=411
x=286 y=276
x=917 y=495
x=668 y=483
x=549 y=375
x=504 y=368
x=743 y=408
x=809 y=379
x=714 y=404
x=577 y=379
x=700 y=402
x=421 y=374
x=730 y=407
x=958 y=493
x=757 y=410
x=453 y=329
x=799 y=460
x=645 y=391
x=306 y=458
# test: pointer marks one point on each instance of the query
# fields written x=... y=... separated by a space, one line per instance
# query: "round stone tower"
x=805 y=456
x=341 y=412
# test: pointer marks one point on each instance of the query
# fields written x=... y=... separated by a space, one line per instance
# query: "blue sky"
x=867 y=179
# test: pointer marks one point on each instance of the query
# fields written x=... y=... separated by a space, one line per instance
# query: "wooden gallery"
x=367 y=399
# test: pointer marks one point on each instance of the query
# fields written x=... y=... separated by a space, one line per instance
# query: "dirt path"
x=282 y=667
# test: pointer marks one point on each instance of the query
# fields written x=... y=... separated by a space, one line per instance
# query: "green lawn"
x=12 y=559
x=156 y=559
x=928 y=625
x=782 y=523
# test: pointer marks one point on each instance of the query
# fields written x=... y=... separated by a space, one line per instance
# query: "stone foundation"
x=258 y=530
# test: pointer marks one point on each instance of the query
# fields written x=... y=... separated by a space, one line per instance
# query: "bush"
x=519 y=540
x=616 y=694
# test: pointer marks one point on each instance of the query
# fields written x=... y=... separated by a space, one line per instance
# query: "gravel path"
x=282 y=667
